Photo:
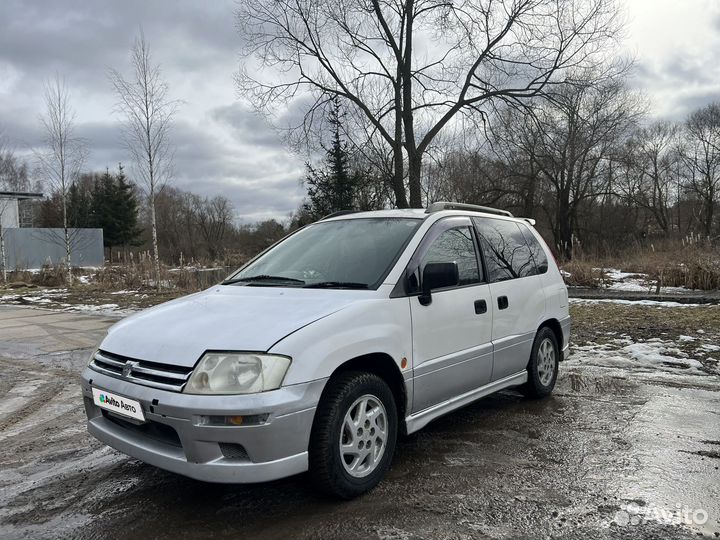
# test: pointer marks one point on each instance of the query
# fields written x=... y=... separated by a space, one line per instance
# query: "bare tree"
x=412 y=67
x=651 y=166
x=143 y=99
x=700 y=152
x=63 y=153
x=214 y=219
x=571 y=146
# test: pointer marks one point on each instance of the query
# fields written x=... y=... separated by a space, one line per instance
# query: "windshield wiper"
x=336 y=285
x=263 y=277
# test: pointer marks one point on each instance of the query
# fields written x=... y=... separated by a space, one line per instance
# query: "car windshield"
x=350 y=254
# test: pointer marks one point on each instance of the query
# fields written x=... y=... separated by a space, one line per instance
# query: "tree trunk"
x=414 y=170
x=563 y=228
x=398 y=180
x=2 y=253
x=414 y=156
x=709 y=214
x=156 y=256
x=66 y=235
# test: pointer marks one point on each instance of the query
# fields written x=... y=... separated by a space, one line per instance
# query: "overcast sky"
x=221 y=146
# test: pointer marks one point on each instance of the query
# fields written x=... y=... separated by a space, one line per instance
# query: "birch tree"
x=62 y=155
x=4 y=203
x=143 y=100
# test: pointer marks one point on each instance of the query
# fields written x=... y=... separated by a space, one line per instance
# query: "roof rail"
x=338 y=213
x=436 y=207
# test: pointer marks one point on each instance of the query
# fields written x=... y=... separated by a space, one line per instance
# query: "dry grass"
x=672 y=264
x=48 y=276
x=137 y=276
x=582 y=273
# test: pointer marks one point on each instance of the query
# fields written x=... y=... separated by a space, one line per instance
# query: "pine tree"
x=332 y=187
x=79 y=204
x=104 y=208
x=115 y=209
x=127 y=210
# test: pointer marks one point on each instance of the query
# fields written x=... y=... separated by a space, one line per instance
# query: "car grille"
x=152 y=430
x=153 y=374
x=235 y=452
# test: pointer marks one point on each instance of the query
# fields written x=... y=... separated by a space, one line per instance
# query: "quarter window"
x=507 y=254
x=537 y=251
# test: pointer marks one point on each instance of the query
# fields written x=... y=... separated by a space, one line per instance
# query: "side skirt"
x=420 y=419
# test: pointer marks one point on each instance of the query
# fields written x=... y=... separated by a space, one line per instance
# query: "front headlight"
x=237 y=373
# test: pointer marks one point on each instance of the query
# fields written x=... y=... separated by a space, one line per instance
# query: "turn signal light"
x=236 y=420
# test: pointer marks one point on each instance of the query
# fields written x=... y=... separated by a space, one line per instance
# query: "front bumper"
x=175 y=438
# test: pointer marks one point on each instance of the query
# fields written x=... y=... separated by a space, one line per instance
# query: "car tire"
x=542 y=368
x=356 y=411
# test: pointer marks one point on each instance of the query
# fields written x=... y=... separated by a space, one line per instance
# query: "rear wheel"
x=354 y=434
x=543 y=365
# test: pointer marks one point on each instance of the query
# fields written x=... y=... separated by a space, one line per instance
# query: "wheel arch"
x=554 y=325
x=382 y=365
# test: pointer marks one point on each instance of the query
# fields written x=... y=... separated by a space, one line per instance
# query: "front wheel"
x=354 y=434
x=543 y=365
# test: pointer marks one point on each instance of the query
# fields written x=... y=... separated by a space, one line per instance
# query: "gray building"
x=29 y=248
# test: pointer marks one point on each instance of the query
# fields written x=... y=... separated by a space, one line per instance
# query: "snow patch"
x=101 y=309
x=653 y=355
x=655 y=303
x=617 y=280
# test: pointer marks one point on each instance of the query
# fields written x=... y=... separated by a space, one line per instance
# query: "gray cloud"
x=698 y=99
x=248 y=126
x=221 y=147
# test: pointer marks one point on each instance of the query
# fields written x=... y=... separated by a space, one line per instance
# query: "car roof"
x=418 y=213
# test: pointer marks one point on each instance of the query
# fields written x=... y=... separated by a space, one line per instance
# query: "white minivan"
x=317 y=353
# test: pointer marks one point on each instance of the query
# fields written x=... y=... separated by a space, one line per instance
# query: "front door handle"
x=503 y=302
x=480 y=307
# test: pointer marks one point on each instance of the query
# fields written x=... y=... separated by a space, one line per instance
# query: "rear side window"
x=536 y=250
x=507 y=254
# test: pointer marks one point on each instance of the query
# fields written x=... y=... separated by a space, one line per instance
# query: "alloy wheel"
x=546 y=361
x=363 y=436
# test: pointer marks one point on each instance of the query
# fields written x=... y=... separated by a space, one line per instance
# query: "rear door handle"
x=503 y=302
x=480 y=307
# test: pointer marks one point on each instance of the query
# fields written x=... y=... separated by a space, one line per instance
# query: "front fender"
x=381 y=325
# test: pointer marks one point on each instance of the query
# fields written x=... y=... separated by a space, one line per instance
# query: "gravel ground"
x=627 y=447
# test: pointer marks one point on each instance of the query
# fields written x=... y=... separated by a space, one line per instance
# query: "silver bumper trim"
x=220 y=470
x=275 y=448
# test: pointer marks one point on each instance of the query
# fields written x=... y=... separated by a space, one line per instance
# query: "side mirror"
x=437 y=276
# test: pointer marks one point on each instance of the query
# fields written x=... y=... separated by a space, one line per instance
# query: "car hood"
x=225 y=318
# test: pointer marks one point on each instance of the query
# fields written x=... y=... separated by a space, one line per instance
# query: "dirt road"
x=625 y=448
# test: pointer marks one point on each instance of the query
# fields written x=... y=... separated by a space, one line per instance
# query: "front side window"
x=507 y=255
x=454 y=245
x=349 y=253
